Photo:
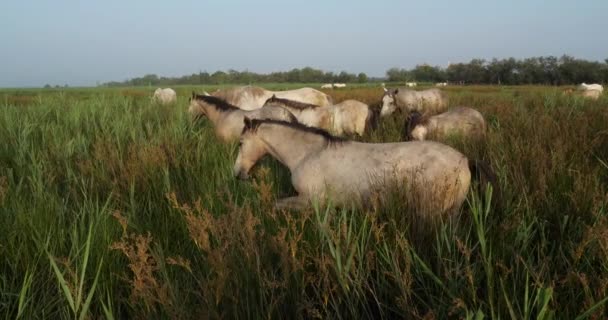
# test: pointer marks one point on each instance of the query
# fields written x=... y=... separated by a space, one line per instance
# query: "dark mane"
x=291 y=103
x=218 y=103
x=413 y=119
x=255 y=124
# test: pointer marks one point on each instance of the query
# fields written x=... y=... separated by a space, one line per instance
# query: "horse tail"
x=482 y=173
x=371 y=121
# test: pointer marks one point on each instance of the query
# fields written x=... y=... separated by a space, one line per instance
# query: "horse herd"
x=306 y=131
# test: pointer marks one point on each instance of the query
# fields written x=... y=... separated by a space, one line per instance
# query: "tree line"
x=548 y=70
x=537 y=70
x=304 y=75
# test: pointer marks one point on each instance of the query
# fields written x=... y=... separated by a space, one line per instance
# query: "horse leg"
x=297 y=203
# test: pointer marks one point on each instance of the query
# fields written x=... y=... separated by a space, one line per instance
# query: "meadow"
x=114 y=207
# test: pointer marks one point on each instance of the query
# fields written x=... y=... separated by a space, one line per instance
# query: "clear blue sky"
x=81 y=43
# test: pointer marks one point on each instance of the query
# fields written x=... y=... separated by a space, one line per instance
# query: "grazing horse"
x=346 y=117
x=460 y=120
x=593 y=86
x=324 y=167
x=411 y=84
x=327 y=86
x=425 y=101
x=251 y=98
x=441 y=84
x=339 y=85
x=164 y=96
x=228 y=119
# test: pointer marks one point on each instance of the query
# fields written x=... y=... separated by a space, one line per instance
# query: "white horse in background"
x=411 y=84
x=164 y=96
x=327 y=86
x=463 y=121
x=425 y=101
x=441 y=84
x=228 y=119
x=339 y=85
x=347 y=117
x=251 y=98
x=593 y=86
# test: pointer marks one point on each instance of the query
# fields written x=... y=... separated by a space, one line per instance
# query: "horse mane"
x=415 y=118
x=291 y=103
x=255 y=124
x=218 y=103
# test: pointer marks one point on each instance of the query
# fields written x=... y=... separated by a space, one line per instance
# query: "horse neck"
x=290 y=146
x=213 y=113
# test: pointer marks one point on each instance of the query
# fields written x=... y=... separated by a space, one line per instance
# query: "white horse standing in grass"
x=591 y=91
x=165 y=96
x=347 y=117
x=324 y=167
x=251 y=98
x=462 y=121
x=339 y=85
x=594 y=86
x=228 y=119
x=426 y=101
x=411 y=84
x=327 y=86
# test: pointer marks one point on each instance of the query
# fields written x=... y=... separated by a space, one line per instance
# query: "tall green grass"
x=112 y=206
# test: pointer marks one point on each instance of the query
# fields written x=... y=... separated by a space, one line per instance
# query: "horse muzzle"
x=241 y=174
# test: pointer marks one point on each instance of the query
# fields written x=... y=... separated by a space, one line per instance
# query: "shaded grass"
x=107 y=175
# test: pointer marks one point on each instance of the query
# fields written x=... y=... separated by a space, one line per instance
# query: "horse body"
x=593 y=86
x=324 y=167
x=339 y=85
x=165 y=96
x=346 y=117
x=411 y=84
x=327 y=86
x=228 y=119
x=251 y=98
x=460 y=120
x=425 y=101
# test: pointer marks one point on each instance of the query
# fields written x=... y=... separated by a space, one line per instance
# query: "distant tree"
x=362 y=78
x=47 y=86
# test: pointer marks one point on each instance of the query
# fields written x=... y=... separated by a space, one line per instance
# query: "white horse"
x=460 y=120
x=324 y=167
x=327 y=86
x=339 y=85
x=164 y=96
x=251 y=98
x=228 y=119
x=347 y=117
x=594 y=86
x=407 y=100
x=441 y=84
x=411 y=84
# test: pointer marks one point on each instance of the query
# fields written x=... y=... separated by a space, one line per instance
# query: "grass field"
x=114 y=207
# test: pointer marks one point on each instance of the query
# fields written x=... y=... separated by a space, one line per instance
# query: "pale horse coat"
x=165 y=96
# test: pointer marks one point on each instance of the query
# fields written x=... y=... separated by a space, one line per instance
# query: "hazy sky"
x=81 y=43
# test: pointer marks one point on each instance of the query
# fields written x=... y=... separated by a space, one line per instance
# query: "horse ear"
x=247 y=122
x=396 y=91
x=385 y=89
x=206 y=93
x=193 y=94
